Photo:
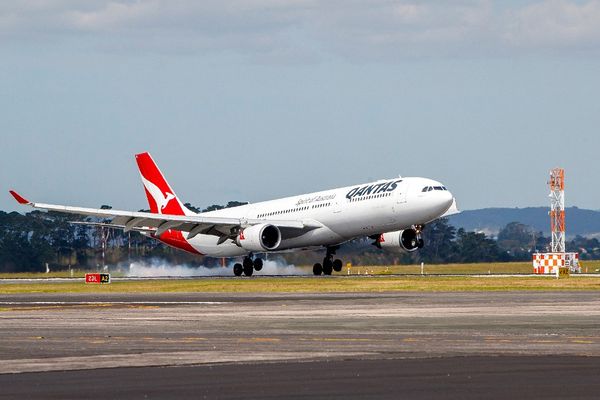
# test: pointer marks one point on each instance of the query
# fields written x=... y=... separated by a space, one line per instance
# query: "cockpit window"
x=430 y=188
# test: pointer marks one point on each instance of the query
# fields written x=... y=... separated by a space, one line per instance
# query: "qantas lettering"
x=389 y=186
x=315 y=199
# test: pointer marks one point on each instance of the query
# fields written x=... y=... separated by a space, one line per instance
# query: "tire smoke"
x=157 y=268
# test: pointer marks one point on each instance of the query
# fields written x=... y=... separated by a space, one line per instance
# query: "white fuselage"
x=342 y=214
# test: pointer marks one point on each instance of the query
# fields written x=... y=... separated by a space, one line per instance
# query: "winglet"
x=452 y=210
x=20 y=199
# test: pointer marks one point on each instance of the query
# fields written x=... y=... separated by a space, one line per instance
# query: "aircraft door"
x=337 y=206
x=402 y=192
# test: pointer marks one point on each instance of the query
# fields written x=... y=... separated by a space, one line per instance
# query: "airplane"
x=392 y=212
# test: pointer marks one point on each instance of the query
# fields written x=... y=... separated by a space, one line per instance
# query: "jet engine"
x=408 y=240
x=259 y=238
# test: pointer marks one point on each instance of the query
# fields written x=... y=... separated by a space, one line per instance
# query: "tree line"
x=29 y=242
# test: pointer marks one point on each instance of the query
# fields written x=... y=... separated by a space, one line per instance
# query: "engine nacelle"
x=259 y=238
x=408 y=240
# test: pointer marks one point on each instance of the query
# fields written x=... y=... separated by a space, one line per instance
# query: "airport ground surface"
x=345 y=345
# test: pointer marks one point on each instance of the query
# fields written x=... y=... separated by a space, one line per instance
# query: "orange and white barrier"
x=549 y=263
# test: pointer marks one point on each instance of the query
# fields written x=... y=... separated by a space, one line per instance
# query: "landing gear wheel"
x=248 y=270
x=247 y=263
x=317 y=269
x=258 y=264
x=337 y=265
x=327 y=266
x=420 y=243
x=238 y=269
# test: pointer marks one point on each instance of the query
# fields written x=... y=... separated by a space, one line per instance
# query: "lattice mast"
x=557 y=209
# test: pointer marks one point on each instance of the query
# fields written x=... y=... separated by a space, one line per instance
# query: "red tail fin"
x=161 y=198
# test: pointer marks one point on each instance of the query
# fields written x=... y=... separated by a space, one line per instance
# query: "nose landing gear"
x=419 y=238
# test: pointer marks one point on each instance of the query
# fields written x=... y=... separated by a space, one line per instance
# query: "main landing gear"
x=248 y=265
x=329 y=264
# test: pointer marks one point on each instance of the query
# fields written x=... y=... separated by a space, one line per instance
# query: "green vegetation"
x=317 y=285
x=473 y=268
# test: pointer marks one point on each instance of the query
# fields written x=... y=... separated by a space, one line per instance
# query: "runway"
x=316 y=345
x=505 y=377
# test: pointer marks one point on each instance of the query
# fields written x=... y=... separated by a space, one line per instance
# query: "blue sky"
x=256 y=99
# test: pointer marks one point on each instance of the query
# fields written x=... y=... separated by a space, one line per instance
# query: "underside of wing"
x=223 y=227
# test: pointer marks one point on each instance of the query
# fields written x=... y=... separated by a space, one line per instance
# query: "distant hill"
x=491 y=220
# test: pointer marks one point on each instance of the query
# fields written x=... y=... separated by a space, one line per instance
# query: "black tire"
x=238 y=269
x=258 y=264
x=317 y=269
x=327 y=266
x=247 y=263
x=337 y=265
x=248 y=270
x=420 y=243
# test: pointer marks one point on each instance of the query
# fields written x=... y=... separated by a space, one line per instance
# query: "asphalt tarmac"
x=383 y=345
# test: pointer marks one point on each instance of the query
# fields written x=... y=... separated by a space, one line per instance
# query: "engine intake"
x=407 y=240
x=260 y=238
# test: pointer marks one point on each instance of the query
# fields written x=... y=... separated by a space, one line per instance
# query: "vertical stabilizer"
x=161 y=198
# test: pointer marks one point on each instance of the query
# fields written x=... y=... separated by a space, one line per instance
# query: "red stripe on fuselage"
x=175 y=239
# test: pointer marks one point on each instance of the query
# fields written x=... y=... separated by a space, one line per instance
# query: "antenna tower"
x=557 y=209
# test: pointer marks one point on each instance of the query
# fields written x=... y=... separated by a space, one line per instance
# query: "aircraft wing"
x=223 y=227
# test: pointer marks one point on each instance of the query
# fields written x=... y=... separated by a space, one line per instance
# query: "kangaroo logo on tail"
x=161 y=200
x=159 y=193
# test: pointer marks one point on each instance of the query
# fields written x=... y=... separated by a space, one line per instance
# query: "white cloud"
x=392 y=29
x=378 y=29
x=554 y=23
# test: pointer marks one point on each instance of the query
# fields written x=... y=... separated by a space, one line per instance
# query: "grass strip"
x=317 y=285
